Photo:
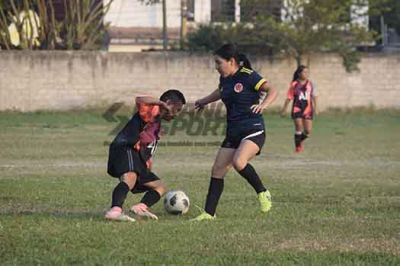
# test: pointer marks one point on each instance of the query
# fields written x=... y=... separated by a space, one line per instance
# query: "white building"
x=135 y=26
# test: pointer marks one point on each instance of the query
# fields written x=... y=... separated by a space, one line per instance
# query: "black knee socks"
x=252 y=177
x=304 y=136
x=119 y=194
x=214 y=193
x=297 y=139
x=150 y=198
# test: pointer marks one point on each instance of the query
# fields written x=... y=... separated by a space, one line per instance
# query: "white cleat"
x=116 y=214
x=142 y=210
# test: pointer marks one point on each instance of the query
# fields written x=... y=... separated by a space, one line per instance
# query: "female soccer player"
x=131 y=154
x=239 y=88
x=304 y=97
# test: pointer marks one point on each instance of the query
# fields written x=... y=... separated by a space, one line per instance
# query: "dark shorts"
x=122 y=160
x=234 y=141
x=302 y=113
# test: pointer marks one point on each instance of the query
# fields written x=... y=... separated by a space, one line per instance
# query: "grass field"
x=338 y=203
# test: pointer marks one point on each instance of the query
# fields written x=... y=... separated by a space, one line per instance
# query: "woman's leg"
x=246 y=151
x=299 y=128
x=120 y=192
x=222 y=164
x=155 y=191
x=308 y=126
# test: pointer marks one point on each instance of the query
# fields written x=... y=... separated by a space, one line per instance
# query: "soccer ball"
x=176 y=202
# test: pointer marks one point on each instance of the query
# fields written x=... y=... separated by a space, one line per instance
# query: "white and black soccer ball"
x=176 y=202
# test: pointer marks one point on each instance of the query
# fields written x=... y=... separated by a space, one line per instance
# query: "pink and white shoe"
x=116 y=214
x=142 y=210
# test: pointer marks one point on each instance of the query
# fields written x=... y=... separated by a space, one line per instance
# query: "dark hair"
x=228 y=51
x=296 y=74
x=173 y=95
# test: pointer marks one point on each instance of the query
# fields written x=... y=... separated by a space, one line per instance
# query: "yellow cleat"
x=203 y=216
x=265 y=201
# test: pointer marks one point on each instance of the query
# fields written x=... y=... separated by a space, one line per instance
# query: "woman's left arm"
x=315 y=109
x=272 y=93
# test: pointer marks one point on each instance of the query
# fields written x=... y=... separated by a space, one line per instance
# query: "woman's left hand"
x=258 y=108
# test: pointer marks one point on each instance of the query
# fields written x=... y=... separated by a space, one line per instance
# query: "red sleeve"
x=148 y=112
x=290 y=93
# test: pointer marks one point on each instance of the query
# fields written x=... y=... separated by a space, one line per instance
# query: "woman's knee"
x=130 y=179
x=239 y=163
x=161 y=189
x=219 y=171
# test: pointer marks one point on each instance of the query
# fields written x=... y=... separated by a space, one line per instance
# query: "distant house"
x=136 y=26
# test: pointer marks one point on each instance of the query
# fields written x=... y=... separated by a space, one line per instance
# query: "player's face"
x=174 y=108
x=304 y=74
x=224 y=67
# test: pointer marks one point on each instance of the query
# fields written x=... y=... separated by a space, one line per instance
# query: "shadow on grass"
x=80 y=215
x=85 y=215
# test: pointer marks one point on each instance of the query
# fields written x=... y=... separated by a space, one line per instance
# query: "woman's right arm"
x=289 y=98
x=285 y=105
x=213 y=97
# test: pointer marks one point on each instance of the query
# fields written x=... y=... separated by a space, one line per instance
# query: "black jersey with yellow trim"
x=239 y=92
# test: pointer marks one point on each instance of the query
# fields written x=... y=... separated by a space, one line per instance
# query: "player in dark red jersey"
x=303 y=94
x=131 y=152
x=240 y=88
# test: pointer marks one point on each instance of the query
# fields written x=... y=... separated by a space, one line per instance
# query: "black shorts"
x=303 y=116
x=124 y=159
x=234 y=141
x=302 y=113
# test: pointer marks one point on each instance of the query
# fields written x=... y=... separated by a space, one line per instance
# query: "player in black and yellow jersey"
x=131 y=152
x=240 y=90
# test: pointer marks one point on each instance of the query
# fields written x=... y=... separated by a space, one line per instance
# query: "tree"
x=304 y=27
x=308 y=26
x=31 y=24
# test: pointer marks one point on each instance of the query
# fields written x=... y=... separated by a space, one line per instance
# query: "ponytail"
x=296 y=74
x=229 y=51
x=243 y=61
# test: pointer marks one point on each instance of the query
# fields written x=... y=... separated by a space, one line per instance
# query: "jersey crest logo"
x=238 y=87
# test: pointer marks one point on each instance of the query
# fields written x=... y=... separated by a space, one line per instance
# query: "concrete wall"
x=32 y=81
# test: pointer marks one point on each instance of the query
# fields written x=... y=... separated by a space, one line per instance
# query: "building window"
x=222 y=10
x=249 y=12
x=190 y=10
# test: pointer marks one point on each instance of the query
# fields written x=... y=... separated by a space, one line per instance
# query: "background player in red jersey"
x=304 y=97
x=131 y=152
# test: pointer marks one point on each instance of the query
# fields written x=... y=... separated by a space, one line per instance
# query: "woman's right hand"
x=283 y=113
x=199 y=105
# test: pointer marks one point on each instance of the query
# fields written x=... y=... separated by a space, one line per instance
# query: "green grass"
x=338 y=203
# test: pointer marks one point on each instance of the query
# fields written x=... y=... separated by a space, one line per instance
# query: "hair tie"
x=241 y=59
